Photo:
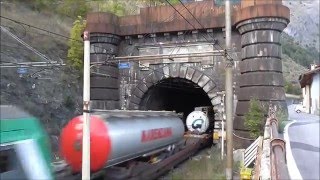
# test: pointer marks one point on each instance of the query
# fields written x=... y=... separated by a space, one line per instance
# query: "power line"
x=25 y=44
x=47 y=31
x=194 y=26
x=50 y=32
x=201 y=25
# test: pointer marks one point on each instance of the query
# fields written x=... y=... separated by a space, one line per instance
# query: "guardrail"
x=271 y=162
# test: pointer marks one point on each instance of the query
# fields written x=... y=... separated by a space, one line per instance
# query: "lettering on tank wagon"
x=197 y=124
x=154 y=134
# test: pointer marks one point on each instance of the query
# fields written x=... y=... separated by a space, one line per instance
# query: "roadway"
x=303 y=135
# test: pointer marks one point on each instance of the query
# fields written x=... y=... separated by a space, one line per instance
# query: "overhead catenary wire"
x=195 y=27
x=47 y=31
x=62 y=35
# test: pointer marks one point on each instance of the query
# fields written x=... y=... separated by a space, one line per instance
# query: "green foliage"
x=75 y=52
x=303 y=56
x=159 y=2
x=113 y=7
x=202 y=168
x=292 y=88
x=254 y=120
x=73 y=8
x=282 y=117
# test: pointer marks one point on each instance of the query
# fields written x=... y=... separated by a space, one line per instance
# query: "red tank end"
x=71 y=143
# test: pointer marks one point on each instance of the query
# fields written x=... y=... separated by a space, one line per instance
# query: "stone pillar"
x=104 y=78
x=261 y=68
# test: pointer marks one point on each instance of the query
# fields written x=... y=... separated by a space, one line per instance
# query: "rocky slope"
x=51 y=94
x=304 y=25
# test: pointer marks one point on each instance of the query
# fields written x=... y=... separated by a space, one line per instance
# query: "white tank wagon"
x=201 y=120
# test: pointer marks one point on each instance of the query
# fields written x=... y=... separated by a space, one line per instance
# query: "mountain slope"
x=304 y=22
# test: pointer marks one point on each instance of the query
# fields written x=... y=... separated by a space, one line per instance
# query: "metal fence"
x=271 y=161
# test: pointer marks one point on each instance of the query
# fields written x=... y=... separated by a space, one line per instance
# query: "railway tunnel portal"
x=175 y=79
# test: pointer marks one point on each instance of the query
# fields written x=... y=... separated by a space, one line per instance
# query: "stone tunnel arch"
x=176 y=82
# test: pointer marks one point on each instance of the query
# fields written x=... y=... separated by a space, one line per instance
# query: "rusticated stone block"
x=104 y=94
x=261 y=36
x=261 y=64
x=103 y=82
x=261 y=50
x=261 y=79
x=266 y=93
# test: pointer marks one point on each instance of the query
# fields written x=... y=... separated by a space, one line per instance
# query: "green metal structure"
x=24 y=146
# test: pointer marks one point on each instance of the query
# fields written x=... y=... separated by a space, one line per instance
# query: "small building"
x=310 y=84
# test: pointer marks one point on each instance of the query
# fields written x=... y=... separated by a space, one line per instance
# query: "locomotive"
x=24 y=146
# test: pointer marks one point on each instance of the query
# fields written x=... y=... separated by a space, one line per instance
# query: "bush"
x=75 y=52
x=282 y=117
x=254 y=120
x=292 y=88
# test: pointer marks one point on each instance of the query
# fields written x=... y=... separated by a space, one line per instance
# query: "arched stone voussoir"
x=174 y=70
x=135 y=100
x=142 y=86
x=166 y=72
x=212 y=93
x=209 y=86
x=138 y=92
x=190 y=72
x=148 y=80
x=203 y=80
x=183 y=72
x=196 y=76
x=216 y=100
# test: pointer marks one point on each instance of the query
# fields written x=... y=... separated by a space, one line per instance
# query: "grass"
x=207 y=166
x=282 y=120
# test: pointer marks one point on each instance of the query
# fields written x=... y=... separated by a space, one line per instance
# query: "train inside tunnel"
x=175 y=94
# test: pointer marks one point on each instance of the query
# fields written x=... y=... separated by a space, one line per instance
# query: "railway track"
x=136 y=169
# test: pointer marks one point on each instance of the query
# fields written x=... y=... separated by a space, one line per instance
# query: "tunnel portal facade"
x=183 y=82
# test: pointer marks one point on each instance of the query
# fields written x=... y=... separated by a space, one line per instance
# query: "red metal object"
x=99 y=150
x=278 y=150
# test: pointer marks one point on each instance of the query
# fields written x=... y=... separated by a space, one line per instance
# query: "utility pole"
x=86 y=109
x=229 y=92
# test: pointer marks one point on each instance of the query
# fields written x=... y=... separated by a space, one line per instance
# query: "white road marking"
x=294 y=172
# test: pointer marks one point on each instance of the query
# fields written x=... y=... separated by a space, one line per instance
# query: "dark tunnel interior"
x=180 y=95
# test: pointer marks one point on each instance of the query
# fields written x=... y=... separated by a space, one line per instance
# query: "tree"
x=74 y=8
x=75 y=52
x=116 y=8
x=254 y=120
x=292 y=88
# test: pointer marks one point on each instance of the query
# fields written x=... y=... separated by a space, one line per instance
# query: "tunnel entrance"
x=175 y=94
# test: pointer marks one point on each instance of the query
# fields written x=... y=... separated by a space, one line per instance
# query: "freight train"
x=124 y=144
x=134 y=144
x=24 y=146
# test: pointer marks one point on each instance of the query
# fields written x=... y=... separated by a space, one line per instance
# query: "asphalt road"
x=304 y=141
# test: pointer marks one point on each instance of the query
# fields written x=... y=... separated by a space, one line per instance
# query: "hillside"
x=51 y=94
x=304 y=22
x=291 y=69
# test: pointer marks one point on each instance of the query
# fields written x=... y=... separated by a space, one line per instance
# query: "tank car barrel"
x=118 y=136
